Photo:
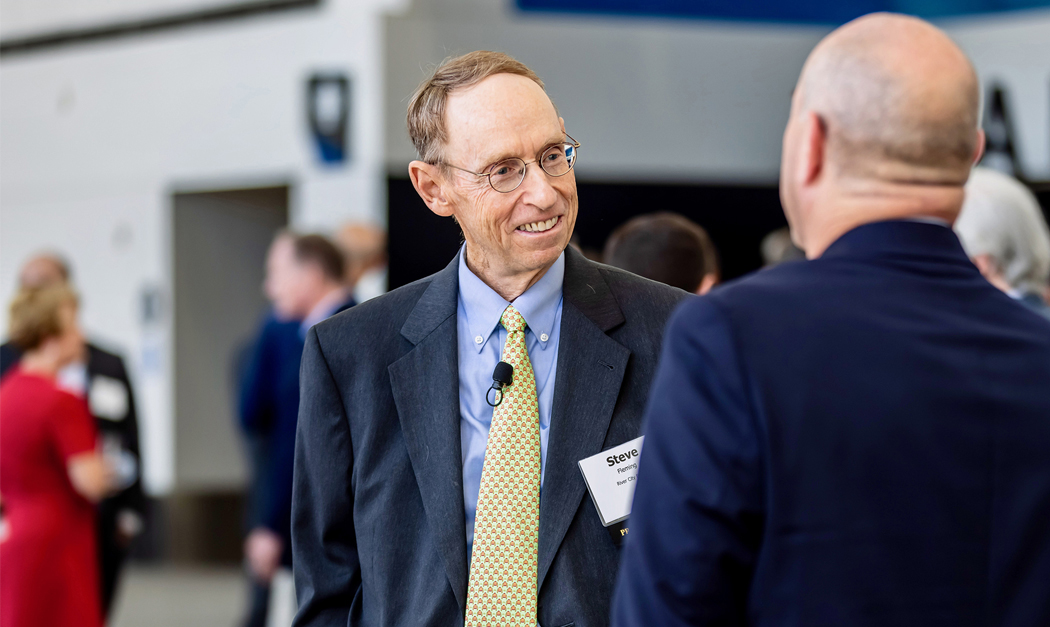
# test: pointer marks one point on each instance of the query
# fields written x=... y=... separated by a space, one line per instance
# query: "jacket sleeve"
x=696 y=521
x=133 y=497
x=324 y=545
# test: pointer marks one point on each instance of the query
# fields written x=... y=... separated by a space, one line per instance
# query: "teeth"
x=539 y=227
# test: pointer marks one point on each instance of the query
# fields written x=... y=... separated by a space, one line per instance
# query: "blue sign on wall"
x=812 y=11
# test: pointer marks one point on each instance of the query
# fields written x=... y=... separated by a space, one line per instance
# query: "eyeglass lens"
x=506 y=175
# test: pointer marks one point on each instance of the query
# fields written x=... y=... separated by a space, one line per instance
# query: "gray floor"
x=180 y=596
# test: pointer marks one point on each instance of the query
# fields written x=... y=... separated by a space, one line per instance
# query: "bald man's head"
x=899 y=98
x=43 y=270
x=883 y=126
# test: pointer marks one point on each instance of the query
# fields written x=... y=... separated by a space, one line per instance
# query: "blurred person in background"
x=1005 y=234
x=269 y=395
x=305 y=282
x=778 y=248
x=51 y=473
x=668 y=248
x=101 y=378
x=860 y=439
x=364 y=249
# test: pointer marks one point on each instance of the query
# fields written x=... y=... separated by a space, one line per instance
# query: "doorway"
x=220 y=244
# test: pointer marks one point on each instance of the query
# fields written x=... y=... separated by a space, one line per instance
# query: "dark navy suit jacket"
x=269 y=408
x=269 y=411
x=862 y=439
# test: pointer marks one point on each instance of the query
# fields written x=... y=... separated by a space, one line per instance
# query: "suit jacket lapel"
x=425 y=386
x=591 y=367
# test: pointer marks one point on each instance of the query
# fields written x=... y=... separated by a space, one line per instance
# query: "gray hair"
x=1001 y=218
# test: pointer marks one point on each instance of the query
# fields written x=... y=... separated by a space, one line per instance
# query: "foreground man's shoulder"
x=638 y=295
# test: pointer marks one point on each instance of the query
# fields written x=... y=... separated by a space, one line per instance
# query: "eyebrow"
x=503 y=157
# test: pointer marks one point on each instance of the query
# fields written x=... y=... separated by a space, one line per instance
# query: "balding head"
x=884 y=101
x=43 y=270
x=899 y=97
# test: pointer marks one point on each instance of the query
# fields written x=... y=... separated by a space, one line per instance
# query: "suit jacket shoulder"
x=609 y=296
x=640 y=296
x=101 y=361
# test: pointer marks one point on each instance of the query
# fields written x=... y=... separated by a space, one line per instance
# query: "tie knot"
x=511 y=320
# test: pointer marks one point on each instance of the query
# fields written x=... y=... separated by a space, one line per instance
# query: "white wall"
x=1014 y=51
x=36 y=17
x=649 y=99
x=684 y=100
x=97 y=136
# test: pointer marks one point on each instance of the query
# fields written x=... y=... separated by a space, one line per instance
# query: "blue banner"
x=811 y=11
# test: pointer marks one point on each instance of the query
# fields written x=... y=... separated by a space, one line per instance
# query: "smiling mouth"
x=539 y=227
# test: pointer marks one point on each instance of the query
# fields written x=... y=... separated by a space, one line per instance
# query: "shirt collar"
x=929 y=220
x=484 y=307
x=324 y=308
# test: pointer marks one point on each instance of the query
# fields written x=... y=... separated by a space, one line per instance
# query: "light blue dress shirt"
x=481 y=338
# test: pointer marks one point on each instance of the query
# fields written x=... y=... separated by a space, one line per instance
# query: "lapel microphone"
x=501 y=377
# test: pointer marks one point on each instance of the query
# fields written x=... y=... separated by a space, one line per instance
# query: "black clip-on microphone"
x=501 y=377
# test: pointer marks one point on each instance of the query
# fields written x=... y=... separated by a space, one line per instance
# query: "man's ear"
x=429 y=184
x=978 y=151
x=814 y=149
x=562 y=121
x=709 y=281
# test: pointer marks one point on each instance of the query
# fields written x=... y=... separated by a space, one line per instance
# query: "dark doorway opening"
x=220 y=241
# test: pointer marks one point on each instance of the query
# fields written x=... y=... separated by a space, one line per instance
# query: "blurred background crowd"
x=186 y=186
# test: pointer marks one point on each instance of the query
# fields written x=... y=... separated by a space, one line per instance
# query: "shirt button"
x=479 y=340
x=544 y=337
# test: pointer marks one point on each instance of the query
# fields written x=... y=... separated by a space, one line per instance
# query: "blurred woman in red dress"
x=50 y=474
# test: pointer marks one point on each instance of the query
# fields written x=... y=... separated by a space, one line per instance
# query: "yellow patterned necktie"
x=502 y=586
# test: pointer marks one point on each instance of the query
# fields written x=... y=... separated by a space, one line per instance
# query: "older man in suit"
x=416 y=501
x=304 y=282
x=860 y=439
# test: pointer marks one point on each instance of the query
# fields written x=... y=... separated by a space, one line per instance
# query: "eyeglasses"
x=507 y=175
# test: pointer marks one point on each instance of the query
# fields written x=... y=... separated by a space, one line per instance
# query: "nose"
x=538 y=187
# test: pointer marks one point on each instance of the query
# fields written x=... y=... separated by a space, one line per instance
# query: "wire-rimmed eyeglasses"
x=505 y=176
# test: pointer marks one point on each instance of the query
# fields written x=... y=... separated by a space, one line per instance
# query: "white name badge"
x=108 y=398
x=611 y=477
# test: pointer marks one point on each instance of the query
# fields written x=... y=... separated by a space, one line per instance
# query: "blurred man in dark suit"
x=268 y=394
x=859 y=439
x=668 y=248
x=101 y=378
x=305 y=284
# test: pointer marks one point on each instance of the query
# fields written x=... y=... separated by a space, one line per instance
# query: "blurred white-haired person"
x=1004 y=232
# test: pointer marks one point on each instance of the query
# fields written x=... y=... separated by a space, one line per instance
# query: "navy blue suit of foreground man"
x=862 y=439
x=804 y=466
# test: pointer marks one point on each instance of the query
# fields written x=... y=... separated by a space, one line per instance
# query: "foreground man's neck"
x=854 y=208
x=508 y=286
